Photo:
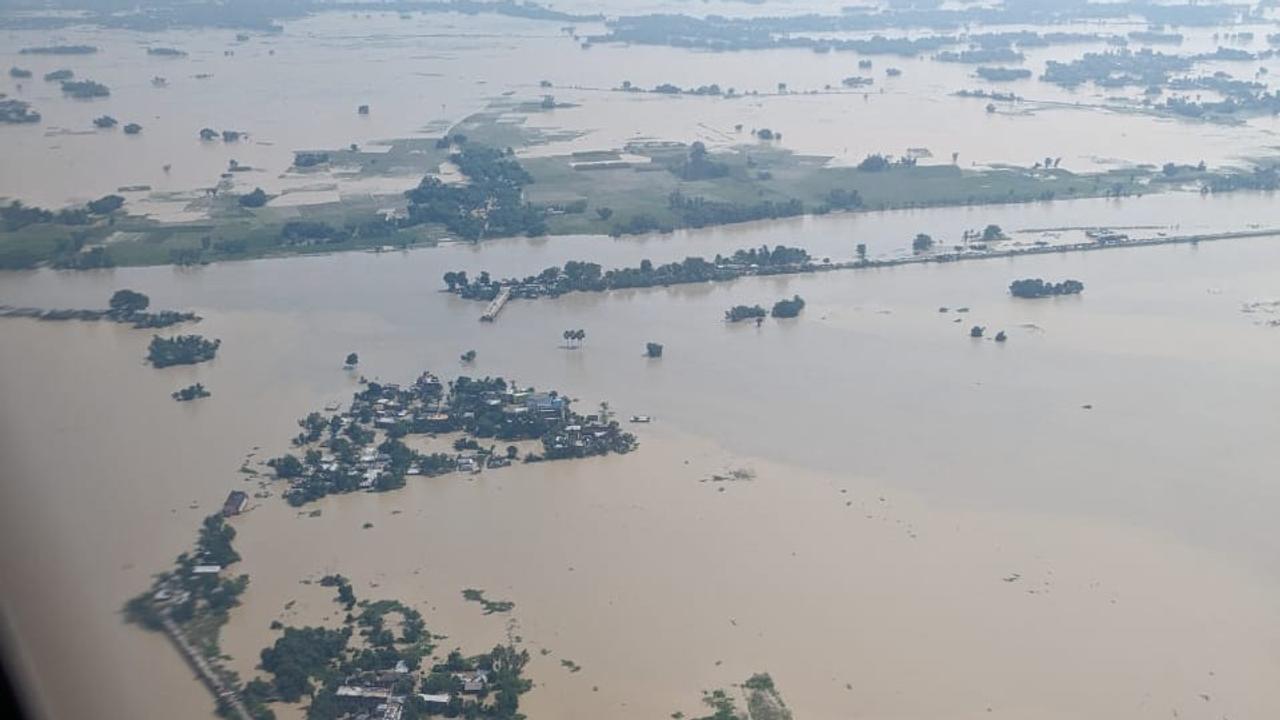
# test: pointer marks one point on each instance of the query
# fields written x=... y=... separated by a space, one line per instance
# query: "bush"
x=255 y=199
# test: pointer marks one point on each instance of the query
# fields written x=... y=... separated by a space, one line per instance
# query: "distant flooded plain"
x=422 y=74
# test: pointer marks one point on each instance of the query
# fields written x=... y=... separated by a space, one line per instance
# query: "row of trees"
x=923 y=242
x=587 y=276
x=181 y=350
x=16 y=216
x=1037 y=288
x=574 y=338
x=696 y=211
x=784 y=308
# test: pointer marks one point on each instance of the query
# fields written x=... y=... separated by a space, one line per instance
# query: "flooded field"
x=422 y=74
x=902 y=474
x=893 y=519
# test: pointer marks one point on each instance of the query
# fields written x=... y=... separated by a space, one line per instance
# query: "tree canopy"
x=127 y=302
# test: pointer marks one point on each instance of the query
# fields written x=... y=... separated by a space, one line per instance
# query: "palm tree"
x=571 y=336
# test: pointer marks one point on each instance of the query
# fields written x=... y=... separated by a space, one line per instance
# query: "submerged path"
x=504 y=293
x=495 y=307
x=226 y=696
x=1050 y=249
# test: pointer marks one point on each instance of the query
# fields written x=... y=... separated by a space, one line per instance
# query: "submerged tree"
x=572 y=336
x=106 y=204
x=127 y=302
x=255 y=199
x=352 y=360
x=788 y=308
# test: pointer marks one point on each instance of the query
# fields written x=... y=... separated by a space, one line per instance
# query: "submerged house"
x=547 y=405
x=235 y=503
x=473 y=681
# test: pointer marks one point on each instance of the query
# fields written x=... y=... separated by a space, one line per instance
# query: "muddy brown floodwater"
x=936 y=526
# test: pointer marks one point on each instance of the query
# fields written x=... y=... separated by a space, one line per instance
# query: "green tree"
x=106 y=204
x=286 y=466
x=788 y=308
x=255 y=199
x=352 y=360
x=127 y=302
x=921 y=243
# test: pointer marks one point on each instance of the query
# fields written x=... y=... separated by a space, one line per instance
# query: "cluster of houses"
x=380 y=695
x=359 y=448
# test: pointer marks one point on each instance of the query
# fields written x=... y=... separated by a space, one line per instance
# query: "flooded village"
x=364 y=447
x=944 y=481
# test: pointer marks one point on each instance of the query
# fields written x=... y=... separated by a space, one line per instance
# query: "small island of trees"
x=738 y=313
x=1037 y=288
x=105 y=205
x=181 y=350
x=84 y=89
x=191 y=392
x=60 y=50
x=17 y=112
x=788 y=308
x=127 y=302
x=126 y=307
x=653 y=350
x=255 y=199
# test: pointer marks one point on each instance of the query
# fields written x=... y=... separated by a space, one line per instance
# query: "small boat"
x=641 y=419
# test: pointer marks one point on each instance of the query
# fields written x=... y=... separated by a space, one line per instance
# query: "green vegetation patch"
x=490 y=606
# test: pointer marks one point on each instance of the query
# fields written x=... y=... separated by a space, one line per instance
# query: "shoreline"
x=747 y=224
